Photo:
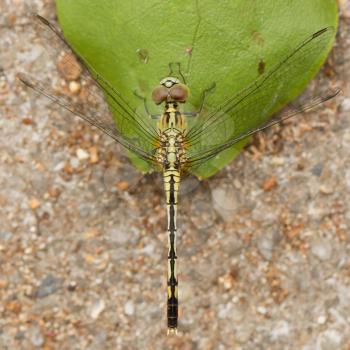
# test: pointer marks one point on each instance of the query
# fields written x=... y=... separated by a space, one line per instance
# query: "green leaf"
x=131 y=43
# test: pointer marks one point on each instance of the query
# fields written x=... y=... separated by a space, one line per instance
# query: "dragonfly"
x=173 y=143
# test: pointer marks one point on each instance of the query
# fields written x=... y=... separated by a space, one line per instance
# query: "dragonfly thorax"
x=171 y=154
x=172 y=118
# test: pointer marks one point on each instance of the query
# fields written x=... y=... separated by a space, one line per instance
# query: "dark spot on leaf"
x=143 y=55
x=261 y=67
x=189 y=50
x=257 y=37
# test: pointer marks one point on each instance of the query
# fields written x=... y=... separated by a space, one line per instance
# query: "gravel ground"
x=264 y=245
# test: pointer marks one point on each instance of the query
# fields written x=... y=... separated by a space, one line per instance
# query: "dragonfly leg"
x=152 y=116
x=204 y=95
x=171 y=71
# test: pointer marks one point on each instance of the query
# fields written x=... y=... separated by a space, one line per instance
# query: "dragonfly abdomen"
x=171 y=186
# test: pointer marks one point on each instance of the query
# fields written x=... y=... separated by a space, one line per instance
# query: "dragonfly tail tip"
x=172 y=331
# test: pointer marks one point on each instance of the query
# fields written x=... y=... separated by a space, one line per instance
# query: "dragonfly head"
x=170 y=89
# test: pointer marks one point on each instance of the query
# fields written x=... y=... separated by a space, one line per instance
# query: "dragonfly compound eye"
x=160 y=94
x=179 y=92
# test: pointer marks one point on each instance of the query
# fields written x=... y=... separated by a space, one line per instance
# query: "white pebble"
x=262 y=310
x=36 y=337
x=82 y=154
x=277 y=161
x=281 y=330
x=97 y=308
x=346 y=104
x=59 y=166
x=74 y=87
x=74 y=162
x=129 y=308
x=321 y=319
x=322 y=249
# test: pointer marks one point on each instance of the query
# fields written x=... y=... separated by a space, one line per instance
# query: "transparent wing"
x=197 y=159
x=101 y=121
x=136 y=133
x=247 y=111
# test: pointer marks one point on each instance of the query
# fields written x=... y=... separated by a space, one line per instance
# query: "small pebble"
x=122 y=185
x=49 y=285
x=129 y=308
x=82 y=154
x=54 y=192
x=74 y=87
x=74 y=163
x=97 y=308
x=36 y=336
x=93 y=155
x=227 y=281
x=326 y=189
x=270 y=184
x=277 y=161
x=321 y=319
x=261 y=310
x=281 y=330
x=346 y=104
x=317 y=169
x=59 y=166
x=266 y=244
x=34 y=203
x=322 y=249
x=92 y=233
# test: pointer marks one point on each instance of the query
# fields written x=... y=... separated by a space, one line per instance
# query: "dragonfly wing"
x=247 y=111
x=136 y=133
x=104 y=121
x=197 y=159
